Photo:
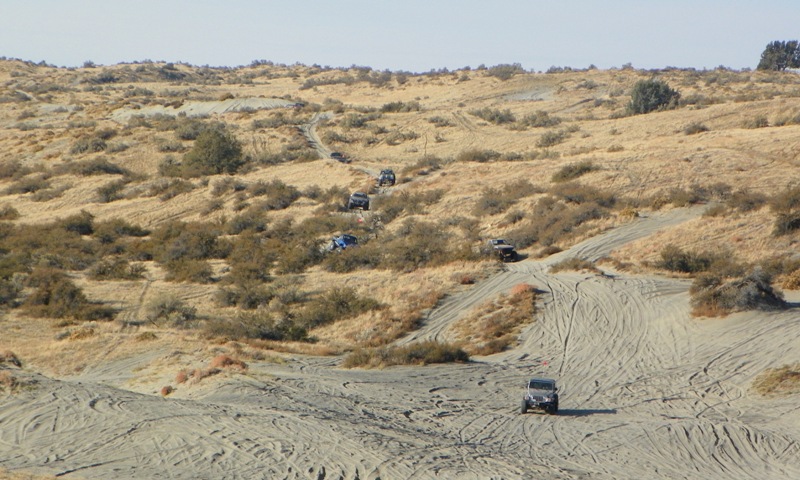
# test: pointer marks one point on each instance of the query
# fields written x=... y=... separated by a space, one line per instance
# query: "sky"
x=402 y=35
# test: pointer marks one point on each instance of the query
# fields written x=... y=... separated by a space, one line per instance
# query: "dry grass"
x=494 y=326
x=6 y=474
x=759 y=160
x=779 y=381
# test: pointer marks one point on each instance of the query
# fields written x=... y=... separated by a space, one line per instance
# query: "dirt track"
x=646 y=392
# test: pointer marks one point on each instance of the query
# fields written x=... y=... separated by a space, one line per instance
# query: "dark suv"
x=386 y=177
x=504 y=250
x=358 y=200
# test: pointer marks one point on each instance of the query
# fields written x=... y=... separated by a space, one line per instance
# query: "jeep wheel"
x=524 y=407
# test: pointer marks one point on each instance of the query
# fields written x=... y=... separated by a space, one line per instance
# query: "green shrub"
x=780 y=55
x=422 y=353
x=215 y=152
x=573 y=171
x=651 y=95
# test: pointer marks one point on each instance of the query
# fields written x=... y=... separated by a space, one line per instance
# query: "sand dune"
x=646 y=392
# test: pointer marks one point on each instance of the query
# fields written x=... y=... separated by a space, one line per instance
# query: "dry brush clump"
x=784 y=380
x=218 y=364
x=495 y=325
x=715 y=295
x=422 y=353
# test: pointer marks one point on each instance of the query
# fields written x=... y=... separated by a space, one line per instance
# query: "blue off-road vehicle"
x=342 y=242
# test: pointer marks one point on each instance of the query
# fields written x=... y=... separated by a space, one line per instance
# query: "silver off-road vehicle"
x=540 y=395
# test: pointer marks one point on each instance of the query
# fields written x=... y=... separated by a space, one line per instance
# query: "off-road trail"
x=646 y=392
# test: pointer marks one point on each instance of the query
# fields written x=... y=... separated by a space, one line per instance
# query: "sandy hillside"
x=648 y=389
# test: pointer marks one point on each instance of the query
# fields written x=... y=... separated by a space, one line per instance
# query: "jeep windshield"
x=541 y=385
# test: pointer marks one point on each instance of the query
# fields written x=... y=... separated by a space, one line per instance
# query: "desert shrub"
x=495 y=116
x=540 y=119
x=56 y=296
x=675 y=259
x=694 y=128
x=573 y=171
x=357 y=120
x=439 y=121
x=365 y=256
x=170 y=311
x=477 y=155
x=756 y=122
x=713 y=295
x=251 y=219
x=178 y=240
x=215 y=152
x=552 y=138
x=396 y=107
x=335 y=304
x=168 y=189
x=497 y=200
x=576 y=193
x=786 y=223
x=94 y=166
x=786 y=201
x=574 y=263
x=7 y=212
x=651 y=95
x=81 y=223
x=278 y=195
x=88 y=144
x=28 y=184
x=46 y=244
x=552 y=221
x=745 y=201
x=395 y=205
x=112 y=191
x=784 y=380
x=116 y=269
x=10 y=291
x=258 y=325
x=250 y=259
x=505 y=71
x=422 y=353
x=110 y=231
x=188 y=270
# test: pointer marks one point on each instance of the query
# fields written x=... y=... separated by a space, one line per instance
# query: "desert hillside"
x=166 y=271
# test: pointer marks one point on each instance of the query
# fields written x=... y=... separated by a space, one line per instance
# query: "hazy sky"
x=411 y=35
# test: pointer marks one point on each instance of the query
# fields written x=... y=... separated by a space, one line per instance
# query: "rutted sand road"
x=647 y=392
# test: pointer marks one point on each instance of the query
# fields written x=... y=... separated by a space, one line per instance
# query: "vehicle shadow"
x=562 y=412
